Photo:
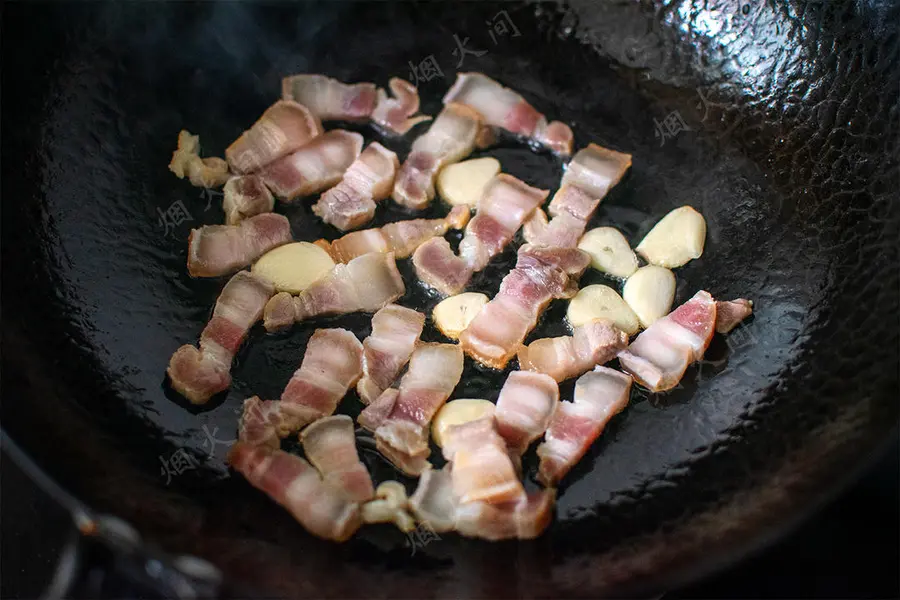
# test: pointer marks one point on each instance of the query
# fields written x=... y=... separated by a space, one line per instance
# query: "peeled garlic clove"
x=676 y=239
x=609 y=251
x=601 y=302
x=463 y=182
x=457 y=412
x=650 y=293
x=452 y=315
x=293 y=267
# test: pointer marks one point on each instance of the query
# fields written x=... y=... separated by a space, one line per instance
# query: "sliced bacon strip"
x=329 y=99
x=330 y=445
x=565 y=357
x=571 y=209
x=365 y=284
x=315 y=167
x=215 y=250
x=202 y=172
x=351 y=203
x=505 y=205
x=296 y=485
x=482 y=469
x=596 y=170
x=399 y=237
x=730 y=313
x=524 y=408
x=200 y=374
x=541 y=274
x=503 y=108
x=449 y=139
x=283 y=128
x=401 y=434
x=395 y=332
x=599 y=395
x=524 y=520
x=262 y=423
x=244 y=197
x=395 y=115
x=433 y=503
x=659 y=355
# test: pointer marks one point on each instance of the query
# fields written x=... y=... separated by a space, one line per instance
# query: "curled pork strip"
x=365 y=284
x=599 y=395
x=400 y=418
x=282 y=129
x=294 y=484
x=659 y=355
x=329 y=99
x=202 y=172
x=565 y=357
x=199 y=374
x=506 y=109
x=482 y=469
x=330 y=445
x=351 y=203
x=396 y=114
x=541 y=274
x=215 y=250
x=400 y=237
x=524 y=409
x=450 y=139
x=730 y=313
x=596 y=170
x=395 y=332
x=244 y=197
x=314 y=167
x=434 y=503
x=570 y=209
x=504 y=206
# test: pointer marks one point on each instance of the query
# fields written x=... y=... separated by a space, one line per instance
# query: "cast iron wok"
x=777 y=120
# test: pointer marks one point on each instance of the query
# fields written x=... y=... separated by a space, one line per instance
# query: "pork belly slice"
x=400 y=418
x=482 y=469
x=570 y=209
x=329 y=99
x=199 y=374
x=659 y=355
x=504 y=108
x=524 y=409
x=433 y=503
x=596 y=170
x=330 y=445
x=365 y=284
x=565 y=357
x=505 y=205
x=294 y=484
x=599 y=395
x=541 y=274
x=215 y=250
x=395 y=115
x=244 y=197
x=283 y=128
x=730 y=313
x=400 y=237
x=450 y=139
x=315 y=167
x=202 y=172
x=395 y=332
x=351 y=203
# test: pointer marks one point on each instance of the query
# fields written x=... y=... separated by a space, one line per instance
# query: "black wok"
x=777 y=120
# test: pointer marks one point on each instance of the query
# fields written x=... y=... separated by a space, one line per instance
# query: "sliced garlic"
x=452 y=315
x=463 y=183
x=609 y=251
x=650 y=293
x=293 y=267
x=601 y=302
x=457 y=412
x=676 y=239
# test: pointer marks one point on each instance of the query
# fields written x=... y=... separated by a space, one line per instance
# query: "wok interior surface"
x=785 y=140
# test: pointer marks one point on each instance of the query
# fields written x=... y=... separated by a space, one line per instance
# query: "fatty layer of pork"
x=450 y=139
x=244 y=197
x=314 y=167
x=565 y=357
x=395 y=332
x=330 y=445
x=282 y=129
x=365 y=284
x=599 y=395
x=351 y=203
x=215 y=250
x=524 y=409
x=596 y=170
x=396 y=114
x=659 y=355
x=541 y=274
x=199 y=374
x=202 y=172
x=400 y=418
x=504 y=206
x=570 y=209
x=730 y=313
x=296 y=485
x=482 y=469
x=503 y=108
